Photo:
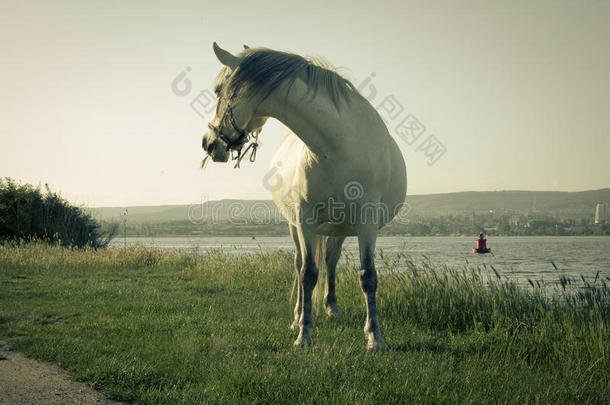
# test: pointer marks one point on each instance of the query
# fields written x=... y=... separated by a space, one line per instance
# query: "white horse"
x=340 y=172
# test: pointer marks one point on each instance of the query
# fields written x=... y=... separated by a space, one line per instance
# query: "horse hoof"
x=377 y=345
x=294 y=325
x=333 y=312
x=302 y=342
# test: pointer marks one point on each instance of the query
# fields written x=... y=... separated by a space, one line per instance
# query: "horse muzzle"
x=215 y=149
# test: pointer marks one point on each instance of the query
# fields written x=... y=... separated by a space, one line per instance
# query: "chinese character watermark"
x=405 y=126
x=205 y=100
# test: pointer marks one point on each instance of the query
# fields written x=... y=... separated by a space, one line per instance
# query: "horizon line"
x=408 y=195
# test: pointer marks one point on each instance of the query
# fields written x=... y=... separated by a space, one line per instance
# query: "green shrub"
x=27 y=213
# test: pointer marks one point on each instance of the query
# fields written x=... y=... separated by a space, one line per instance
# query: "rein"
x=253 y=146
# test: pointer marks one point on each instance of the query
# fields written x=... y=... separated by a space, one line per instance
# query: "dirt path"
x=27 y=381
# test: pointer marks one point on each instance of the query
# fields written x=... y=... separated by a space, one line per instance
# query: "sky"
x=515 y=94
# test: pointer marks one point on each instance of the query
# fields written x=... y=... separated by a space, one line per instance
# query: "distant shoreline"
x=241 y=235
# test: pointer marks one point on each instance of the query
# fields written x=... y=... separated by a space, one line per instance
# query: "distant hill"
x=565 y=204
x=569 y=204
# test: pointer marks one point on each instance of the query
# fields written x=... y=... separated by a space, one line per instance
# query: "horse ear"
x=246 y=47
x=226 y=58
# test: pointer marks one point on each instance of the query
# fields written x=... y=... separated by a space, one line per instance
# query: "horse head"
x=234 y=120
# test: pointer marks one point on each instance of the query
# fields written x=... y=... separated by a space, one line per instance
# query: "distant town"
x=533 y=224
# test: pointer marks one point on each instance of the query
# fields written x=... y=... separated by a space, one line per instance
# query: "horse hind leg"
x=298 y=262
x=333 y=253
x=368 y=283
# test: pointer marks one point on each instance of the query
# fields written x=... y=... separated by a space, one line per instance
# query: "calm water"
x=518 y=257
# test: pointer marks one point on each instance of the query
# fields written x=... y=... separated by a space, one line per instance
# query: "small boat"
x=481 y=245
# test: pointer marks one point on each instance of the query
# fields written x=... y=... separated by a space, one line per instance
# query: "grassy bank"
x=167 y=327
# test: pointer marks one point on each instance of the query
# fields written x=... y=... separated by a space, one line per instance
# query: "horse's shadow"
x=435 y=345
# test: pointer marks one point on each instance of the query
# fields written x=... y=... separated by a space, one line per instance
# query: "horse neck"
x=316 y=121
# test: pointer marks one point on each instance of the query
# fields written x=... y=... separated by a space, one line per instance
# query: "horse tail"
x=320 y=260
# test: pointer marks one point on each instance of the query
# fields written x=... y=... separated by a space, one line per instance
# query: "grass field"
x=147 y=326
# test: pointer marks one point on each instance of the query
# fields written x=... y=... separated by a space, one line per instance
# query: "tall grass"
x=27 y=213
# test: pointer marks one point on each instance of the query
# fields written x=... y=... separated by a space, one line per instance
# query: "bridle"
x=228 y=141
x=242 y=139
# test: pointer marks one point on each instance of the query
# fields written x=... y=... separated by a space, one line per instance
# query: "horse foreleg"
x=298 y=306
x=368 y=283
x=333 y=252
x=308 y=277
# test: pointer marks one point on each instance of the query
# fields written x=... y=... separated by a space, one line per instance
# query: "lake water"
x=518 y=257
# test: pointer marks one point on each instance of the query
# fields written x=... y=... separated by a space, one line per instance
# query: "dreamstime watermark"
x=402 y=124
x=208 y=212
x=351 y=208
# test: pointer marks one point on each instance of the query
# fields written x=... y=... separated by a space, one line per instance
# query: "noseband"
x=229 y=142
x=243 y=138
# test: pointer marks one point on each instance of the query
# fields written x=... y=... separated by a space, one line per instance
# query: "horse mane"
x=261 y=71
